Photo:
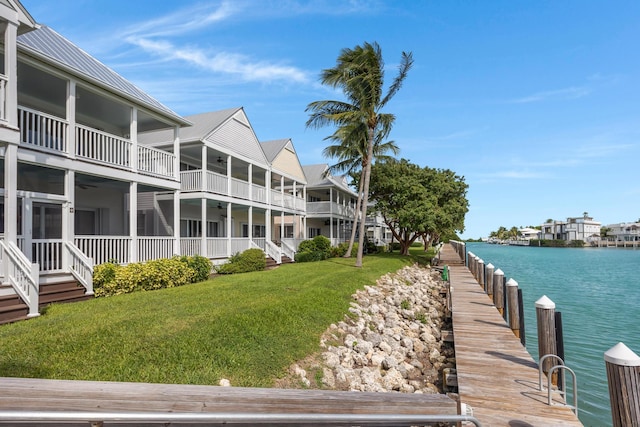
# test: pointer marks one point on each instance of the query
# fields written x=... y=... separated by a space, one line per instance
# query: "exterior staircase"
x=55 y=289
x=271 y=263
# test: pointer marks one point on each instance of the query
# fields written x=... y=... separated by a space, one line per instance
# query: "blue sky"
x=535 y=103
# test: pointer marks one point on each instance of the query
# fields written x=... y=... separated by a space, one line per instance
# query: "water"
x=598 y=292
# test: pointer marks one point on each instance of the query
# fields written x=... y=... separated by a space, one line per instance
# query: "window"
x=212 y=229
x=259 y=231
x=190 y=228
x=313 y=232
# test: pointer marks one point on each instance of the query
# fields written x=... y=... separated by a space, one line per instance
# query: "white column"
x=229 y=187
x=203 y=165
x=68 y=213
x=228 y=229
x=203 y=216
x=267 y=224
x=331 y=215
x=176 y=151
x=11 y=72
x=71 y=117
x=133 y=131
x=250 y=180
x=250 y=225
x=281 y=225
x=176 y=222
x=10 y=193
x=133 y=221
x=176 y=194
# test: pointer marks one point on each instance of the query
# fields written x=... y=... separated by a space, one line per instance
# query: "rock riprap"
x=391 y=339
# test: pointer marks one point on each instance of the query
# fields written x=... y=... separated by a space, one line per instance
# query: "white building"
x=624 y=232
x=574 y=228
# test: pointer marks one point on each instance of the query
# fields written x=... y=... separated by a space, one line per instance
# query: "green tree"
x=415 y=201
x=350 y=150
x=359 y=73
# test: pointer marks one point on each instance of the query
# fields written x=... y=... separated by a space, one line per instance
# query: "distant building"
x=529 y=233
x=575 y=228
x=625 y=231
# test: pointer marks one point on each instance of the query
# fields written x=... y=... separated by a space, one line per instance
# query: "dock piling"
x=545 y=315
x=498 y=290
x=512 y=306
x=623 y=376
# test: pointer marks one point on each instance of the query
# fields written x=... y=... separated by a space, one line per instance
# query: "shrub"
x=308 y=256
x=113 y=279
x=322 y=243
x=104 y=274
x=316 y=249
x=200 y=265
x=249 y=260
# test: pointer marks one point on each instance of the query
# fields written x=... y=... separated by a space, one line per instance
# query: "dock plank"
x=497 y=377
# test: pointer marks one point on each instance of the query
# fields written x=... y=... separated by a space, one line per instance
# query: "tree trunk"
x=355 y=216
x=365 y=197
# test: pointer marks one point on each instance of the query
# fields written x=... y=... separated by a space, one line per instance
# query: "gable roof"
x=229 y=130
x=49 y=46
x=273 y=148
x=315 y=178
x=26 y=21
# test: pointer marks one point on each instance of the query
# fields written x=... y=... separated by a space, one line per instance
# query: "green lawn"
x=247 y=328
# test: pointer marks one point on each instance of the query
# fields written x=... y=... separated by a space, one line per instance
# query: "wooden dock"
x=496 y=375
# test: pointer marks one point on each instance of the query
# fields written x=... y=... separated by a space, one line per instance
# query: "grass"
x=247 y=328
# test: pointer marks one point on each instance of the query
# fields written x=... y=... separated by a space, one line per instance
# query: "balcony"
x=46 y=132
x=218 y=183
x=330 y=208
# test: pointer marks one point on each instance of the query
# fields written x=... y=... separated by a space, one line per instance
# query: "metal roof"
x=202 y=125
x=273 y=148
x=316 y=179
x=50 y=46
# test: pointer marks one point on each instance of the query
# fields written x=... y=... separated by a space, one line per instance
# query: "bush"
x=148 y=276
x=308 y=256
x=323 y=244
x=316 y=249
x=200 y=265
x=341 y=249
x=113 y=279
x=249 y=260
x=104 y=274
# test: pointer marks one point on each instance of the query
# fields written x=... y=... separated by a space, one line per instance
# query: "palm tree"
x=359 y=72
x=350 y=152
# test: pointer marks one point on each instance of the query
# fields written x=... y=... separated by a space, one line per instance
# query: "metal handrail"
x=97 y=418
x=562 y=367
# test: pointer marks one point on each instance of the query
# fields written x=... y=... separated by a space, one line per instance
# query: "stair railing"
x=288 y=251
x=273 y=251
x=81 y=267
x=21 y=274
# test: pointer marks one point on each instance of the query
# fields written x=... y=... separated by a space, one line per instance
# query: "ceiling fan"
x=221 y=160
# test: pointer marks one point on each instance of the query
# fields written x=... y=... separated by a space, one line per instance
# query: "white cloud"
x=221 y=62
x=567 y=93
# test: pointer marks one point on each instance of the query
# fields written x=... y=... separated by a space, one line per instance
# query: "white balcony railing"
x=48 y=254
x=105 y=248
x=42 y=130
x=153 y=247
x=258 y=193
x=102 y=147
x=48 y=132
x=156 y=162
x=239 y=188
